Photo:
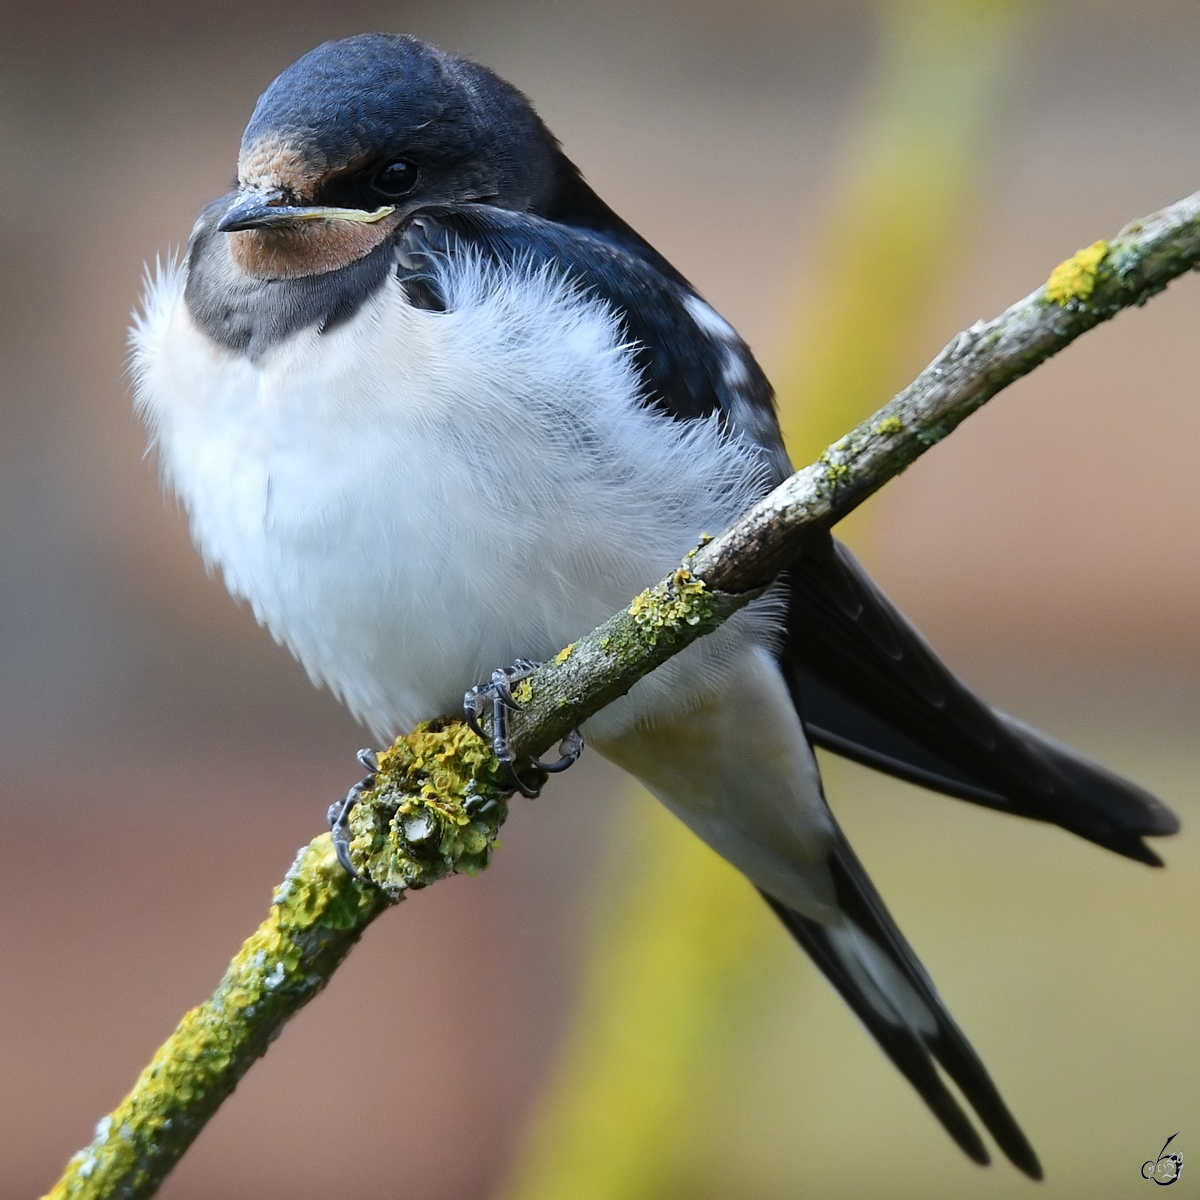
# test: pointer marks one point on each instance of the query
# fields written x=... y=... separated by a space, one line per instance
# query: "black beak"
x=255 y=210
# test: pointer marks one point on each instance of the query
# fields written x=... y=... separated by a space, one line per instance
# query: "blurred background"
x=162 y=758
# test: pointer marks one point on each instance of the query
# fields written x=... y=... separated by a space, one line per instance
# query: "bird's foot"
x=338 y=815
x=498 y=694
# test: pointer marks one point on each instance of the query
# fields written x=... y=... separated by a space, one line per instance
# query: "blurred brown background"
x=163 y=759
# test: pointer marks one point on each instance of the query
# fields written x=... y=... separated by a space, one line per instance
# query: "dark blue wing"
x=692 y=363
x=869 y=687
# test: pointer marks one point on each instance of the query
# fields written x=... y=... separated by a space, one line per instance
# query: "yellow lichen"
x=562 y=656
x=889 y=425
x=835 y=472
x=1075 y=279
x=660 y=611
x=435 y=809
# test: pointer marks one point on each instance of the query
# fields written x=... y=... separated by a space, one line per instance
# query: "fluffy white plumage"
x=413 y=498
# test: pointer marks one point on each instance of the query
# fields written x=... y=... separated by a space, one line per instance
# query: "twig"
x=440 y=797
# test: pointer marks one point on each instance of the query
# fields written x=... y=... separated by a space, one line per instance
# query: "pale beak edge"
x=255 y=210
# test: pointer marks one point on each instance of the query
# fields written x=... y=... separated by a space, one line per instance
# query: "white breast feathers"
x=413 y=498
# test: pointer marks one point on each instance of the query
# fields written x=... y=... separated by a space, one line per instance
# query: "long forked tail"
x=869 y=962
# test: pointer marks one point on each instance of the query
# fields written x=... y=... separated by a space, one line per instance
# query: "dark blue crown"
x=382 y=94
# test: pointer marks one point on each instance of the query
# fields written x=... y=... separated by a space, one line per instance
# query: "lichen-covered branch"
x=440 y=796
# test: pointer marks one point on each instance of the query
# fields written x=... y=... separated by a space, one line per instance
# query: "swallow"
x=432 y=408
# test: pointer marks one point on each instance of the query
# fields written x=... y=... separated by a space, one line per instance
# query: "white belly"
x=739 y=772
x=415 y=498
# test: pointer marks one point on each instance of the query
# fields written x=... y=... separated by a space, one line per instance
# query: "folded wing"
x=869 y=687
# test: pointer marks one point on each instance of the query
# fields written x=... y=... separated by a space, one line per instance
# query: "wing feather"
x=868 y=686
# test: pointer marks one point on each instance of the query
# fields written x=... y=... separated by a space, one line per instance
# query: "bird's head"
x=358 y=134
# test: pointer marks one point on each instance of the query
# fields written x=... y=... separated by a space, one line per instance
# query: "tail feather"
x=876 y=972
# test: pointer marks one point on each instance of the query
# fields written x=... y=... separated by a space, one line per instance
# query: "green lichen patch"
x=436 y=809
x=660 y=612
x=1075 y=279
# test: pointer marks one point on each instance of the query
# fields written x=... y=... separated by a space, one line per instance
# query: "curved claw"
x=570 y=748
x=530 y=793
x=500 y=687
x=497 y=692
x=338 y=817
x=473 y=709
x=338 y=813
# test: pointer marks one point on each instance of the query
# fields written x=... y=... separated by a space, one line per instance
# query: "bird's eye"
x=395 y=179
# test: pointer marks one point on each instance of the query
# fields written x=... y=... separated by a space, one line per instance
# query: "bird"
x=432 y=407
